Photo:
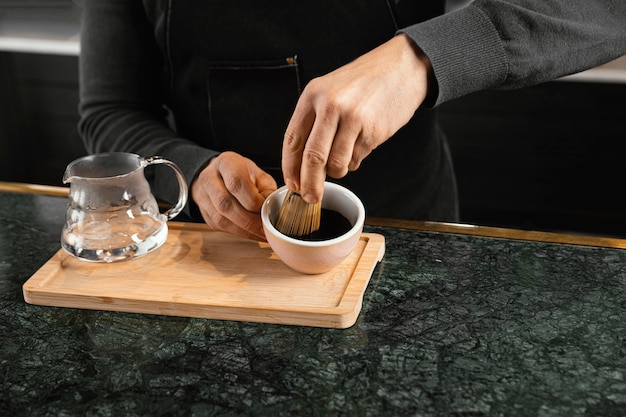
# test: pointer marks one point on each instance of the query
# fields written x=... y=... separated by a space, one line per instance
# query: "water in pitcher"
x=110 y=236
x=111 y=212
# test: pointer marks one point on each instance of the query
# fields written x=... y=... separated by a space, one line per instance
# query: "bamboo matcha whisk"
x=297 y=217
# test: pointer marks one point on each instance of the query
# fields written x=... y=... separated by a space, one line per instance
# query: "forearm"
x=121 y=104
x=120 y=107
x=516 y=43
x=110 y=127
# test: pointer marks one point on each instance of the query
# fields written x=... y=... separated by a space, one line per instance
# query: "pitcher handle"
x=182 y=185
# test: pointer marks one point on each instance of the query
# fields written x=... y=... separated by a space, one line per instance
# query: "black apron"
x=235 y=69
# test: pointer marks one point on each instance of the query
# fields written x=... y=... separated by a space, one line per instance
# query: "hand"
x=230 y=192
x=344 y=115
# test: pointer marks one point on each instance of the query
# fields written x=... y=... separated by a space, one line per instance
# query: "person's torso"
x=235 y=69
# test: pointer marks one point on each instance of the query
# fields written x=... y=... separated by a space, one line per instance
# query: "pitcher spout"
x=73 y=170
x=68 y=177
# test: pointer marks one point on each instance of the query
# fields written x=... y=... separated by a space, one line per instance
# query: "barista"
x=349 y=86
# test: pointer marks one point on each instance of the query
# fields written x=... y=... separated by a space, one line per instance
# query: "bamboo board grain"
x=202 y=273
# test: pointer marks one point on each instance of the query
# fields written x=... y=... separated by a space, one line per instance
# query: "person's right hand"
x=344 y=115
x=230 y=192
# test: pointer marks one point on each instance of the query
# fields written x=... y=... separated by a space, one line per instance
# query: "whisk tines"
x=297 y=217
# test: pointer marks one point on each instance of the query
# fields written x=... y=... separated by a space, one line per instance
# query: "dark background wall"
x=547 y=157
x=38 y=116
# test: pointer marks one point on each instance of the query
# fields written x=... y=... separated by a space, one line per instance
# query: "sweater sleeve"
x=121 y=103
x=515 y=43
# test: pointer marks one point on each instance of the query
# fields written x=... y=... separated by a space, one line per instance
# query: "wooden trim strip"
x=18 y=187
x=425 y=226
x=498 y=232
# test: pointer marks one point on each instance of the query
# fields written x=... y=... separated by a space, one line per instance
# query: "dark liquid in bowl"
x=332 y=225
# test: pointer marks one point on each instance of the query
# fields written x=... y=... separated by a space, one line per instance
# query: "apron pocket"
x=249 y=106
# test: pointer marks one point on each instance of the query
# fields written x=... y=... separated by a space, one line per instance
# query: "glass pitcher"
x=112 y=214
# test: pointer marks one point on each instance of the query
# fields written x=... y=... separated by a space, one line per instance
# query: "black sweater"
x=189 y=79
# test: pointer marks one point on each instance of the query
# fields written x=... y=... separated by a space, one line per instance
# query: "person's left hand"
x=230 y=192
x=342 y=116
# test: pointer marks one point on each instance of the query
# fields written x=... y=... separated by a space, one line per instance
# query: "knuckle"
x=331 y=109
x=374 y=131
x=291 y=139
x=368 y=146
x=328 y=101
x=331 y=106
x=314 y=87
x=223 y=223
x=234 y=184
x=224 y=203
x=354 y=164
x=372 y=137
x=381 y=132
x=337 y=167
x=314 y=157
x=356 y=114
x=335 y=163
x=211 y=218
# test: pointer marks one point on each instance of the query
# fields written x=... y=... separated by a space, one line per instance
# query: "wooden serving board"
x=203 y=273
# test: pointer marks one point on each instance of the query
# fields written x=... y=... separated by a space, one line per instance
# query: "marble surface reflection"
x=451 y=325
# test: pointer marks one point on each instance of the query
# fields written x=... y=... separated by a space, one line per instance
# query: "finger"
x=363 y=146
x=227 y=214
x=341 y=152
x=296 y=135
x=220 y=210
x=245 y=188
x=265 y=185
x=315 y=154
x=262 y=180
x=217 y=222
x=230 y=215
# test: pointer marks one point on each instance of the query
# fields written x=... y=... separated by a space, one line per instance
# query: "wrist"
x=422 y=73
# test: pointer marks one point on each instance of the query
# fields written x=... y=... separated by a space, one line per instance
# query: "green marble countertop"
x=452 y=325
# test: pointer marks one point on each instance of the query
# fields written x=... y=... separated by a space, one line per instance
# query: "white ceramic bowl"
x=315 y=257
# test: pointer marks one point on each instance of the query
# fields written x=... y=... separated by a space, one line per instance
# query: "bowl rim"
x=356 y=228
